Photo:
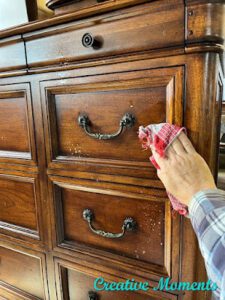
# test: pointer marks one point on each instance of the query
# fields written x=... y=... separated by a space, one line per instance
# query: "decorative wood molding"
x=23 y=149
x=205 y=22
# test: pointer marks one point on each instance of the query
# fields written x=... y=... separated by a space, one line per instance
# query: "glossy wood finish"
x=83 y=13
x=30 y=267
x=150 y=96
x=65 y=45
x=206 y=22
x=152 y=249
x=18 y=204
x=17 y=141
x=76 y=282
x=49 y=185
x=13 y=51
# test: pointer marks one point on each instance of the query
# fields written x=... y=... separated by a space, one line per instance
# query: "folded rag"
x=160 y=136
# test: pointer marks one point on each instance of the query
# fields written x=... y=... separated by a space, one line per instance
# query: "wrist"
x=203 y=188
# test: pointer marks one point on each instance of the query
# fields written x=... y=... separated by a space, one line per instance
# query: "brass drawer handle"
x=127 y=120
x=92 y=295
x=129 y=224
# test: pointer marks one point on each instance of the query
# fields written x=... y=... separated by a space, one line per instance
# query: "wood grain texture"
x=110 y=6
x=27 y=267
x=18 y=204
x=206 y=22
x=17 y=140
x=152 y=96
x=150 y=234
x=73 y=280
x=193 y=66
x=21 y=217
x=181 y=83
x=201 y=123
x=13 y=51
x=65 y=44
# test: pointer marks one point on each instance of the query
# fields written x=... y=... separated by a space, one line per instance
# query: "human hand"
x=183 y=171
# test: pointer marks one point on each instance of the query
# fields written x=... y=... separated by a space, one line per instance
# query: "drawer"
x=28 y=266
x=13 y=51
x=76 y=282
x=16 y=124
x=19 y=206
x=140 y=97
x=131 y=215
x=146 y=27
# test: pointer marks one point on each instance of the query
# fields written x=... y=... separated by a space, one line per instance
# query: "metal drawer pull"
x=129 y=224
x=127 y=120
x=89 y=41
x=92 y=295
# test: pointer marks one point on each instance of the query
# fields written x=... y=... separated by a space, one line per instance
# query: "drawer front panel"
x=12 y=52
x=152 y=233
x=76 y=282
x=27 y=279
x=150 y=96
x=16 y=122
x=161 y=26
x=18 y=205
x=81 y=284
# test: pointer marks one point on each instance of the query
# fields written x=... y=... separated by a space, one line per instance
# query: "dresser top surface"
x=98 y=9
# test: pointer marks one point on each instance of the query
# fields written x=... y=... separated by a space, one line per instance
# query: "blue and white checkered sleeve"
x=207 y=213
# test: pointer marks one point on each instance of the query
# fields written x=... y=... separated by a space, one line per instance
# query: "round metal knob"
x=92 y=295
x=89 y=41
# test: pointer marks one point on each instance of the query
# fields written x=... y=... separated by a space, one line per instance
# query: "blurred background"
x=17 y=12
x=43 y=11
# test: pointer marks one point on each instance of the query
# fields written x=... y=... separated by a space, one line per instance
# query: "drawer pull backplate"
x=127 y=120
x=129 y=224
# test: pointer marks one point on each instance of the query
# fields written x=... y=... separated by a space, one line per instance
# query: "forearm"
x=207 y=213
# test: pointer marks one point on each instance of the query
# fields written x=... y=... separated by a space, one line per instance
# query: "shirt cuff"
x=203 y=198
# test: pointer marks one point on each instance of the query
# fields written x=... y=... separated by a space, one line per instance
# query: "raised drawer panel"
x=15 y=137
x=110 y=208
x=19 y=205
x=12 y=53
x=16 y=123
x=110 y=212
x=118 y=34
x=150 y=96
x=76 y=282
x=21 y=275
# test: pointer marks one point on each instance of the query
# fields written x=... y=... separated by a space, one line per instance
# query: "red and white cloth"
x=160 y=136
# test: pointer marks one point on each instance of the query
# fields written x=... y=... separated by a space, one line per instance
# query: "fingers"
x=160 y=161
x=186 y=143
x=170 y=152
x=178 y=147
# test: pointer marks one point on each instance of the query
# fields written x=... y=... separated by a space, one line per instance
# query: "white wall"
x=12 y=13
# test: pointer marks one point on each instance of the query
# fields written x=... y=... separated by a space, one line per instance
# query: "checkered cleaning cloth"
x=160 y=136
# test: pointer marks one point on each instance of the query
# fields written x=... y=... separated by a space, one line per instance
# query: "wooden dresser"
x=73 y=91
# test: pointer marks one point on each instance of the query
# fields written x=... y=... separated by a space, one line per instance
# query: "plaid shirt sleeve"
x=207 y=213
